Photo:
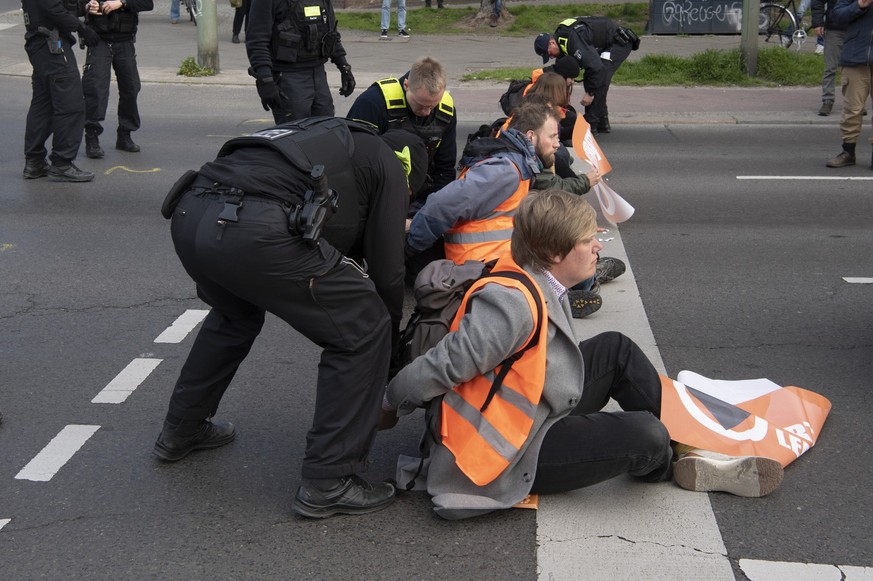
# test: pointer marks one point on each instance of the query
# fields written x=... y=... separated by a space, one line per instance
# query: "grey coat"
x=497 y=326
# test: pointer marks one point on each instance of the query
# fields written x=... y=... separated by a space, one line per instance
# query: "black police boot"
x=347 y=495
x=68 y=173
x=35 y=168
x=176 y=442
x=603 y=126
x=125 y=143
x=92 y=146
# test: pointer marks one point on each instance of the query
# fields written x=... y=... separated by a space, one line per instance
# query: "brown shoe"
x=844 y=159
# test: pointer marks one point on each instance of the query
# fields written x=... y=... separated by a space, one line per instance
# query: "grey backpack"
x=438 y=291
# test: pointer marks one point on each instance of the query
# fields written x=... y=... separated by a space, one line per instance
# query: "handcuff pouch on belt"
x=175 y=194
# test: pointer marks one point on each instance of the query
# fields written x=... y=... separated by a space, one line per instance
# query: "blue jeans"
x=401 y=14
x=174 y=9
x=498 y=7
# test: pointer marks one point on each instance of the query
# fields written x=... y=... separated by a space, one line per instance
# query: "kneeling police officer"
x=275 y=224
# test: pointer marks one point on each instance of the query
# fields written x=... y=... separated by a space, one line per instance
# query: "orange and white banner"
x=753 y=417
x=586 y=147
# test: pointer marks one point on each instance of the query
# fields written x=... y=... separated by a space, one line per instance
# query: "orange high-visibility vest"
x=485 y=421
x=486 y=238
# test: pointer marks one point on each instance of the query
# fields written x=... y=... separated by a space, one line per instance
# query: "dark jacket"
x=370 y=221
x=371 y=108
x=119 y=25
x=262 y=35
x=585 y=43
x=48 y=14
x=858 y=47
x=822 y=15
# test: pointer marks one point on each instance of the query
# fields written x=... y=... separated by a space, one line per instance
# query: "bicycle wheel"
x=777 y=23
x=193 y=8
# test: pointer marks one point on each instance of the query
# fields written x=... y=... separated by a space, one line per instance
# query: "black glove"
x=348 y=80
x=89 y=36
x=269 y=93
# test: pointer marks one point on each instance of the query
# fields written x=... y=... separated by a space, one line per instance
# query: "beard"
x=548 y=159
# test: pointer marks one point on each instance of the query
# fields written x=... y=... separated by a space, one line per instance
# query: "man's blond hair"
x=427 y=73
x=549 y=224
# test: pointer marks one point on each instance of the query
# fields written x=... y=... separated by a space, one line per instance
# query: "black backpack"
x=509 y=100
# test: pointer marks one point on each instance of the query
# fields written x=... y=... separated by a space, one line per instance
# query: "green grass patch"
x=190 y=68
x=776 y=67
x=528 y=20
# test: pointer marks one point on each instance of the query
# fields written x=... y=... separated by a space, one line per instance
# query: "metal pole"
x=207 y=36
x=749 y=38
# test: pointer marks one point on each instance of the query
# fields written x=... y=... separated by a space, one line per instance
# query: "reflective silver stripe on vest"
x=482 y=426
x=517 y=400
x=477 y=237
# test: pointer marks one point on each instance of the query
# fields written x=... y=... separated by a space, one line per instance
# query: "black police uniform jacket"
x=284 y=35
x=49 y=14
x=370 y=107
x=119 y=25
x=370 y=222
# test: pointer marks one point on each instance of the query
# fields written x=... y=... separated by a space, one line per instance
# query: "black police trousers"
x=255 y=265
x=598 y=110
x=57 y=107
x=96 y=74
x=305 y=93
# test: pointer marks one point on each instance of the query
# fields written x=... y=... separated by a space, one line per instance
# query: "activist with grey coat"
x=509 y=324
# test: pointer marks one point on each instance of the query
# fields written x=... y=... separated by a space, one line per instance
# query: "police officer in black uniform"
x=599 y=45
x=287 y=44
x=115 y=22
x=57 y=107
x=240 y=230
x=417 y=102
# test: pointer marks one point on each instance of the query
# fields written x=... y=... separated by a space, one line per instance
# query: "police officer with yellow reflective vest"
x=115 y=22
x=599 y=45
x=418 y=102
x=287 y=44
x=57 y=107
x=282 y=221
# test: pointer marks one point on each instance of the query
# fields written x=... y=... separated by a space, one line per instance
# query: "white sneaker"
x=750 y=476
x=819 y=49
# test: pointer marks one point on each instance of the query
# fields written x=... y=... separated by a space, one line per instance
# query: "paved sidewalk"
x=162 y=46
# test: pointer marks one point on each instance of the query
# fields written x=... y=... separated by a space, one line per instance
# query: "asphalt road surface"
x=740 y=278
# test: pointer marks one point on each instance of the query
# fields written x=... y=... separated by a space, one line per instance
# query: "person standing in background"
x=401 y=19
x=115 y=22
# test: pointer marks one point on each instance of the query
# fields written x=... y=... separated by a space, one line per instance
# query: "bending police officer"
x=599 y=45
x=240 y=230
x=287 y=44
x=417 y=102
x=57 y=107
x=115 y=22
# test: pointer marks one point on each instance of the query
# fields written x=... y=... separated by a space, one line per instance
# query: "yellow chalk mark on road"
x=125 y=168
x=6 y=246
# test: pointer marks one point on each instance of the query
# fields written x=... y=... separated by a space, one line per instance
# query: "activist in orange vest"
x=474 y=213
x=543 y=430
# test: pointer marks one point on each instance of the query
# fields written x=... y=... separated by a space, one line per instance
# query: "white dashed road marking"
x=53 y=457
x=127 y=381
x=4 y=522
x=812 y=178
x=180 y=328
x=768 y=570
x=858 y=280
